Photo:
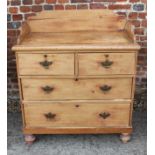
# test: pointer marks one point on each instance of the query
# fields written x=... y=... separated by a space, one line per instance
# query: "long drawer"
x=46 y=64
x=60 y=89
x=106 y=63
x=76 y=115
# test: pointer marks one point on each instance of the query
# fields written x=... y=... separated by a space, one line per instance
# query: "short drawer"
x=59 y=89
x=76 y=115
x=106 y=63
x=46 y=64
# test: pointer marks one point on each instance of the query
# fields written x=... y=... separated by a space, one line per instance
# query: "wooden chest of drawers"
x=76 y=72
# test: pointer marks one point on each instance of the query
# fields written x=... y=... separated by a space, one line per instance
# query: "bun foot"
x=125 y=137
x=29 y=139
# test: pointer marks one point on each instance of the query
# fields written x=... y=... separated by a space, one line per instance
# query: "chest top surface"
x=81 y=30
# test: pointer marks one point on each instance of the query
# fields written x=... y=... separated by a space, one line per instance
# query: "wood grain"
x=76 y=43
x=122 y=63
x=69 y=115
x=62 y=64
x=86 y=40
x=85 y=37
x=73 y=13
x=24 y=31
x=115 y=47
x=73 y=20
x=96 y=29
x=129 y=28
x=77 y=130
x=72 y=89
x=114 y=101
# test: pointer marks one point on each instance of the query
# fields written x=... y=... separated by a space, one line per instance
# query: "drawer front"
x=59 y=89
x=106 y=63
x=46 y=64
x=76 y=115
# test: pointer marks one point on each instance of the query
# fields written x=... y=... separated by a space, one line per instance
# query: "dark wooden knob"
x=104 y=115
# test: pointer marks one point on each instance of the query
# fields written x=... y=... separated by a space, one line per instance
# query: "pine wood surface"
x=77 y=130
x=86 y=40
x=62 y=64
x=77 y=45
x=69 y=115
x=90 y=64
x=85 y=29
x=76 y=21
x=72 y=89
x=87 y=64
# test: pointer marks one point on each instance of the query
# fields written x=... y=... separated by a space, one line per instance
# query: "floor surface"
x=77 y=144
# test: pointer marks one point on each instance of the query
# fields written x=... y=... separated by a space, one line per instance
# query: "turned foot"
x=29 y=139
x=125 y=137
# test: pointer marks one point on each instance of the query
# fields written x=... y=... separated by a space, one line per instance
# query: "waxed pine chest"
x=76 y=73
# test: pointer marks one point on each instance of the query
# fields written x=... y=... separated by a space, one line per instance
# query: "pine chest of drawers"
x=76 y=72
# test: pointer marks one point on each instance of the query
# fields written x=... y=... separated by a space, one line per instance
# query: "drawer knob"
x=107 y=63
x=105 y=88
x=104 y=115
x=46 y=64
x=50 y=115
x=47 y=89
